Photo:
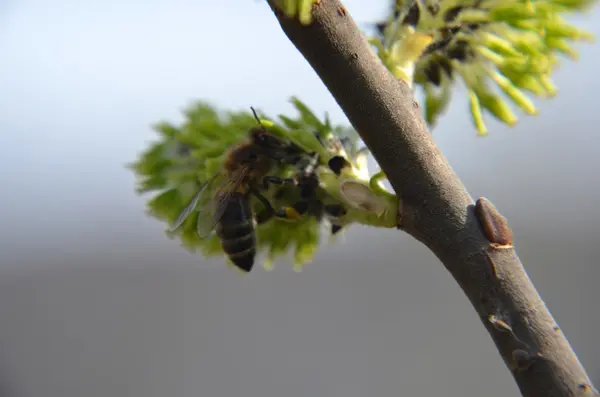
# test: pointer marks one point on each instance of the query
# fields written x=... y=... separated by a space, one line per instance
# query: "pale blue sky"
x=96 y=301
x=82 y=82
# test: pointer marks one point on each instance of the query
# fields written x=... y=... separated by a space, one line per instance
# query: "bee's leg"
x=315 y=209
x=268 y=211
x=315 y=206
x=307 y=185
x=289 y=213
x=308 y=198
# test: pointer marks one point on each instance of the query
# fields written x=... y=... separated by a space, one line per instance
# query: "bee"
x=228 y=212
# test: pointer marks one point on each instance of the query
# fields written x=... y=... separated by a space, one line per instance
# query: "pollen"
x=291 y=213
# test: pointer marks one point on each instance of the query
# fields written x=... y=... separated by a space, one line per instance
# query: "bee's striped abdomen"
x=236 y=232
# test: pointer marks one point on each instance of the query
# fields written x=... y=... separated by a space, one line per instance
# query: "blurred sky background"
x=96 y=301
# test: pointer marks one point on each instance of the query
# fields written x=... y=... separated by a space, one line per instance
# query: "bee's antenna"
x=255 y=115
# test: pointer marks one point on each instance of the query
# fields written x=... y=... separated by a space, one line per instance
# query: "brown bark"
x=473 y=242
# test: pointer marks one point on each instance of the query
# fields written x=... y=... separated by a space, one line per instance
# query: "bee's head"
x=261 y=138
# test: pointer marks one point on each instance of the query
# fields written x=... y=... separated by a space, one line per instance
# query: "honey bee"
x=228 y=212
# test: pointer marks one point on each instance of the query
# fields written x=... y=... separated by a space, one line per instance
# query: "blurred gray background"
x=96 y=301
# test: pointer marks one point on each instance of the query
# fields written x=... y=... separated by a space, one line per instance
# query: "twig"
x=475 y=245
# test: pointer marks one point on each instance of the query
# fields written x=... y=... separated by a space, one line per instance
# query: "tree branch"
x=473 y=242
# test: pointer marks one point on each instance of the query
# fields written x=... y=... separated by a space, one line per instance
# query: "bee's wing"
x=185 y=213
x=210 y=214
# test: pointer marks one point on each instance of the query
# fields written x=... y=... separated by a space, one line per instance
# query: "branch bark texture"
x=472 y=241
